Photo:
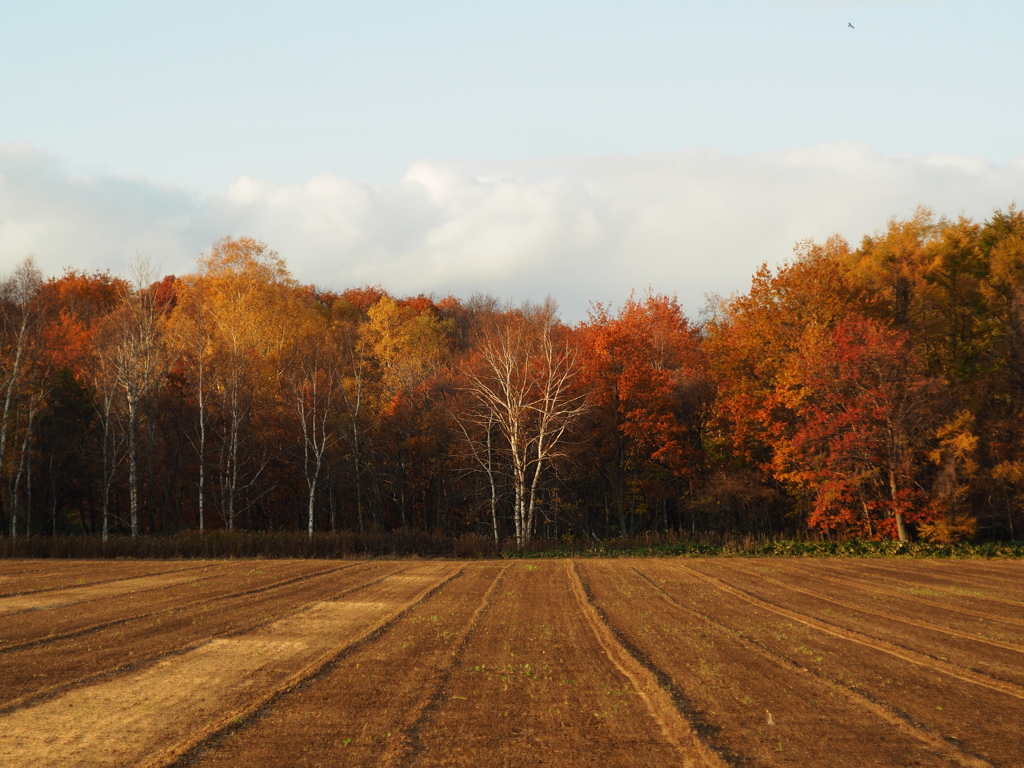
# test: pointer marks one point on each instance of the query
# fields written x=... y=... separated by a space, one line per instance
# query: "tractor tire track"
x=41 y=566
x=1016 y=647
x=91 y=593
x=646 y=680
x=30 y=565
x=952 y=591
x=101 y=582
x=902 y=723
x=405 y=746
x=927 y=571
x=919 y=659
x=895 y=593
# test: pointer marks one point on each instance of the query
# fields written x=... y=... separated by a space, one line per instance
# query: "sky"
x=578 y=149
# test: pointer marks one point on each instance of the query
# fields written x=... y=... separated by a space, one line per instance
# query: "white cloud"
x=581 y=229
x=93 y=222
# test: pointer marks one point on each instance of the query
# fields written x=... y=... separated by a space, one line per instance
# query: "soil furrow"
x=1016 y=647
x=95 y=574
x=995 y=658
x=151 y=717
x=81 y=581
x=674 y=725
x=37 y=568
x=535 y=687
x=351 y=713
x=740 y=662
x=922 y=660
x=180 y=751
x=63 y=598
x=402 y=747
x=980 y=720
x=41 y=638
x=761 y=714
x=929 y=572
x=895 y=593
x=7 y=565
x=1006 y=573
x=914 y=588
x=42 y=673
x=940 y=746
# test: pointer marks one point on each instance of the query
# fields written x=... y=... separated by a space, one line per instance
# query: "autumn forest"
x=872 y=392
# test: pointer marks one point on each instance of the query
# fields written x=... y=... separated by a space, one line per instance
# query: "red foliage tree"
x=649 y=381
x=865 y=414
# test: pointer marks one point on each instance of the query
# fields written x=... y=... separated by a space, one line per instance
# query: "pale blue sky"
x=112 y=112
x=200 y=93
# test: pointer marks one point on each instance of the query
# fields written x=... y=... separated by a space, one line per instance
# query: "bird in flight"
x=850 y=25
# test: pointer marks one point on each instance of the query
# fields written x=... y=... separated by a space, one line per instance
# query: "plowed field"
x=667 y=662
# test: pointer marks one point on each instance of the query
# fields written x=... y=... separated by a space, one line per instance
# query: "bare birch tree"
x=18 y=313
x=103 y=378
x=314 y=382
x=193 y=322
x=478 y=425
x=523 y=376
x=136 y=353
x=353 y=397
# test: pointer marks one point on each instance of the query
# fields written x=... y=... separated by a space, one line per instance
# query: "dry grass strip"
x=79 y=631
x=135 y=665
x=173 y=755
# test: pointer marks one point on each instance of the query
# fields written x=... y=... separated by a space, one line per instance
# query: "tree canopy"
x=873 y=392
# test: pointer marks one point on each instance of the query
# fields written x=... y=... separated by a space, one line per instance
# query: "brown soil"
x=146 y=717
x=916 y=581
x=231 y=578
x=997 y=658
x=960 y=614
x=668 y=662
x=752 y=706
x=38 y=565
x=367 y=707
x=535 y=686
x=46 y=575
x=998 y=572
x=963 y=597
x=45 y=668
x=998 y=576
x=40 y=601
x=990 y=620
x=947 y=701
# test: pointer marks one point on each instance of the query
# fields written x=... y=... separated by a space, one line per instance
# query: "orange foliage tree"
x=864 y=414
x=869 y=392
x=649 y=386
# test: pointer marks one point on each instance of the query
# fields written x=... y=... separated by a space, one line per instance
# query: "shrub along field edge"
x=469 y=546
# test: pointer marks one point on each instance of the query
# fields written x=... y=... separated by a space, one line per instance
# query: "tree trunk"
x=108 y=472
x=312 y=496
x=901 y=528
x=133 y=472
x=494 y=488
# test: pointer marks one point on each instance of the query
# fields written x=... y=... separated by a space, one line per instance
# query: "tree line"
x=873 y=392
